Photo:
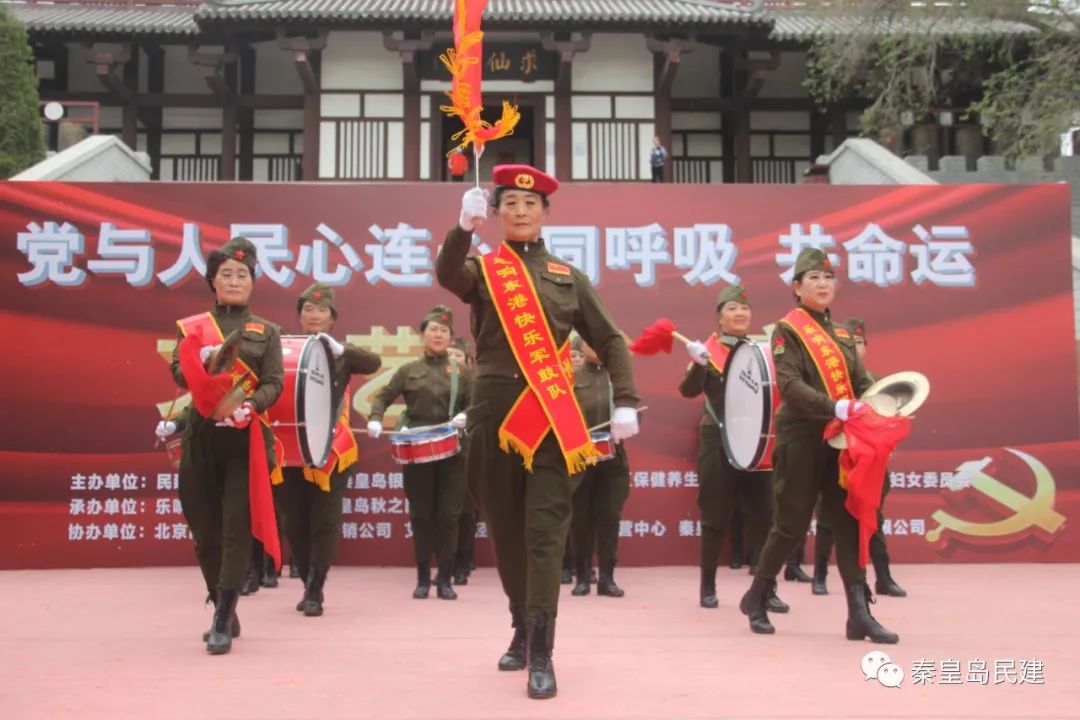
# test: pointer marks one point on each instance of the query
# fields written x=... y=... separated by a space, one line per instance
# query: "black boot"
x=461 y=569
x=294 y=569
x=541 y=670
x=753 y=605
x=884 y=583
x=606 y=584
x=773 y=603
x=219 y=640
x=313 y=592
x=251 y=581
x=708 y=588
x=514 y=657
x=305 y=574
x=423 y=581
x=794 y=571
x=235 y=623
x=860 y=623
x=582 y=586
x=736 y=552
x=269 y=575
x=443 y=589
x=821 y=571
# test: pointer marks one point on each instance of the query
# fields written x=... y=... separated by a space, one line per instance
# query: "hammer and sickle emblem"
x=1028 y=512
x=524 y=181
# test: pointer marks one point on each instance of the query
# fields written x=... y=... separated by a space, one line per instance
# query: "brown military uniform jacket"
x=425 y=384
x=804 y=402
x=568 y=299
x=708 y=380
x=592 y=388
x=260 y=349
x=354 y=361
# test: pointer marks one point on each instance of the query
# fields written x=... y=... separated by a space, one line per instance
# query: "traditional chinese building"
x=285 y=90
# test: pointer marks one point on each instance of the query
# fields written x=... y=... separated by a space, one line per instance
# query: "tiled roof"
x=685 y=13
x=804 y=26
x=102 y=19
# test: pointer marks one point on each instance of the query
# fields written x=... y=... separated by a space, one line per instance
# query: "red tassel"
x=656 y=338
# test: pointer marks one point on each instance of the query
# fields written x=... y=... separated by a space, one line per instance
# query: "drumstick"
x=680 y=337
x=643 y=408
x=168 y=414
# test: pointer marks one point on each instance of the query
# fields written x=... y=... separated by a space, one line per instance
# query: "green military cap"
x=440 y=314
x=240 y=249
x=320 y=294
x=732 y=293
x=856 y=327
x=812 y=259
x=461 y=344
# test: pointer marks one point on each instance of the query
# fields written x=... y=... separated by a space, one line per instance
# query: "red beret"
x=524 y=177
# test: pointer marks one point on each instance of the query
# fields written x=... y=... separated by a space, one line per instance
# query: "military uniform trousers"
x=436 y=493
x=823 y=541
x=597 y=508
x=214 y=496
x=312 y=518
x=804 y=467
x=528 y=513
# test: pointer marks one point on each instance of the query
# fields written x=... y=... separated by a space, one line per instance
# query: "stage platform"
x=125 y=643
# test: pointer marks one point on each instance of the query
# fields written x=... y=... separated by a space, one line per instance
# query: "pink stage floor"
x=125 y=644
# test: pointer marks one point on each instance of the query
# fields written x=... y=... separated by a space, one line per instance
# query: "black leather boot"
x=514 y=657
x=306 y=573
x=753 y=605
x=219 y=640
x=708 y=588
x=860 y=623
x=251 y=581
x=884 y=583
x=541 y=669
x=423 y=581
x=269 y=575
x=736 y=551
x=794 y=571
x=606 y=584
x=773 y=603
x=582 y=571
x=313 y=592
x=294 y=569
x=235 y=623
x=443 y=589
x=821 y=571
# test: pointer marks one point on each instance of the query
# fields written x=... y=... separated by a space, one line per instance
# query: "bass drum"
x=303 y=418
x=751 y=398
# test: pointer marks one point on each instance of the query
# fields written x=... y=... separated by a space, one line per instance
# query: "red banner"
x=970 y=285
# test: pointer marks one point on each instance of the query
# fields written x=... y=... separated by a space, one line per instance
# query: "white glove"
x=624 y=423
x=848 y=409
x=165 y=428
x=458 y=421
x=698 y=352
x=240 y=418
x=374 y=429
x=335 y=347
x=206 y=351
x=474 y=208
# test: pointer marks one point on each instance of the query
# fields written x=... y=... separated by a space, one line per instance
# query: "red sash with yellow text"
x=718 y=352
x=261 y=473
x=548 y=403
x=826 y=354
x=343 y=449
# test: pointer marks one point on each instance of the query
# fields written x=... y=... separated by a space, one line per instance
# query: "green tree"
x=21 y=140
x=1015 y=64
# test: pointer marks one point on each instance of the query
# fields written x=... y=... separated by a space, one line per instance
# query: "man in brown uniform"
x=879 y=552
x=820 y=375
x=311 y=497
x=528 y=508
x=436 y=390
x=720 y=483
x=605 y=485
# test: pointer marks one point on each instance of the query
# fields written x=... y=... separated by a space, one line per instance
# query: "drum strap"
x=454 y=382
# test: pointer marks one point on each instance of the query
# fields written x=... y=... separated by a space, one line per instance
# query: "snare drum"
x=424 y=446
x=751 y=398
x=604 y=446
x=174 y=448
x=303 y=417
